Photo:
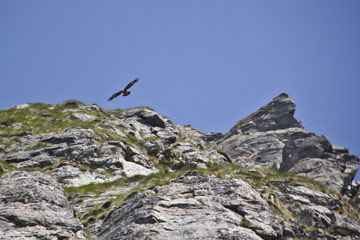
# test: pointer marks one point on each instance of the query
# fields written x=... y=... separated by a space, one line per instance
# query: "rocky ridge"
x=76 y=171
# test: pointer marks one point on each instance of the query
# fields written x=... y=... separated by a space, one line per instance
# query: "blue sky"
x=205 y=63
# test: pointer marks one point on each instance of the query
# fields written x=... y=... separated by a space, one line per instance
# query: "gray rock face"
x=34 y=158
x=278 y=114
x=79 y=146
x=194 y=207
x=206 y=207
x=71 y=176
x=33 y=206
x=353 y=194
x=82 y=116
x=203 y=138
x=70 y=136
x=144 y=123
x=272 y=138
x=344 y=225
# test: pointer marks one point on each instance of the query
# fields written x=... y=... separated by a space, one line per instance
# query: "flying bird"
x=124 y=91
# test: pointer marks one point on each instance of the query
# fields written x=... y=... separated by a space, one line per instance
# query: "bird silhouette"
x=124 y=91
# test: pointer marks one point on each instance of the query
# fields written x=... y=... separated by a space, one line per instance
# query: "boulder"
x=33 y=206
x=82 y=116
x=71 y=176
x=149 y=123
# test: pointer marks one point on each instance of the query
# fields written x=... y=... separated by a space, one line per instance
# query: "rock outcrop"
x=76 y=171
x=272 y=138
x=206 y=207
x=194 y=206
x=33 y=206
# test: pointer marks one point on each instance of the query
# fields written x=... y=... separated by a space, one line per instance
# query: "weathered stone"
x=71 y=176
x=153 y=119
x=217 y=156
x=91 y=108
x=114 y=156
x=211 y=136
x=190 y=133
x=338 y=149
x=278 y=114
x=32 y=205
x=194 y=207
x=315 y=197
x=22 y=106
x=187 y=165
x=314 y=211
x=344 y=225
x=35 y=158
x=118 y=132
x=148 y=123
x=82 y=116
x=321 y=170
x=113 y=124
x=354 y=195
x=145 y=116
x=313 y=217
x=152 y=148
x=261 y=149
x=297 y=149
x=70 y=104
x=131 y=169
x=70 y=136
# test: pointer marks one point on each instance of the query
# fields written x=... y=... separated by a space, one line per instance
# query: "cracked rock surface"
x=33 y=206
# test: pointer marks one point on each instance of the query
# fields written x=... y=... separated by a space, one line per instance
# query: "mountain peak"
x=276 y=115
x=271 y=137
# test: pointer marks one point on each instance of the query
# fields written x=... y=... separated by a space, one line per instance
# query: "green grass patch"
x=32 y=121
x=132 y=139
x=279 y=207
x=5 y=168
x=309 y=229
x=244 y=223
x=144 y=182
x=164 y=166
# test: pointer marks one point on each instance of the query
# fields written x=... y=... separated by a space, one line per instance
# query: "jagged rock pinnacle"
x=278 y=114
x=271 y=137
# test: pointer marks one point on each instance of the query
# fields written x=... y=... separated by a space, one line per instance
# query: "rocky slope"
x=76 y=171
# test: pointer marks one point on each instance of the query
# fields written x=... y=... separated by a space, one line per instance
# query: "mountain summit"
x=272 y=138
x=278 y=114
x=76 y=171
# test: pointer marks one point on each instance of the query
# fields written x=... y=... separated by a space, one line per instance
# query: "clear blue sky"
x=205 y=63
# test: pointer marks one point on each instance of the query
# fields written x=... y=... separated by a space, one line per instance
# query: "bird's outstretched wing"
x=130 y=84
x=115 y=95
